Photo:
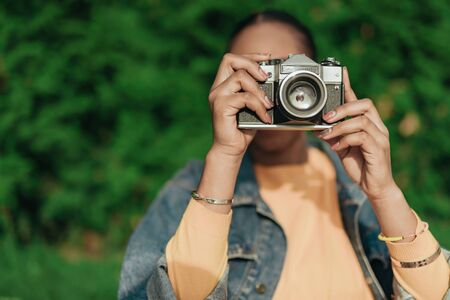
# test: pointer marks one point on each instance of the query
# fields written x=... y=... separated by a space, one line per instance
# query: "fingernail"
x=264 y=74
x=324 y=132
x=268 y=102
x=329 y=115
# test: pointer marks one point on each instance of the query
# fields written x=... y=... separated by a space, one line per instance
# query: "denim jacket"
x=256 y=242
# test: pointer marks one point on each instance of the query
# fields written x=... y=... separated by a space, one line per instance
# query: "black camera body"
x=302 y=91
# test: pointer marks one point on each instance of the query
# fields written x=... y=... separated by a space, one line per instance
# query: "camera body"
x=302 y=91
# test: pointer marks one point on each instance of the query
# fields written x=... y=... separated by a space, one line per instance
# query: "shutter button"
x=260 y=288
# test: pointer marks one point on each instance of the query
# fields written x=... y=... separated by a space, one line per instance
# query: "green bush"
x=101 y=101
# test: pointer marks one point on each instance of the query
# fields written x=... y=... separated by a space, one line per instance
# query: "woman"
x=305 y=215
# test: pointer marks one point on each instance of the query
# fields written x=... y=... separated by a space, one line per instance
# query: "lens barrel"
x=302 y=94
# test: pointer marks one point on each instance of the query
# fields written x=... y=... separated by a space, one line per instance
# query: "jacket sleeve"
x=144 y=270
x=159 y=286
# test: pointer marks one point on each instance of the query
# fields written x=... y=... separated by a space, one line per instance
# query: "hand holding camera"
x=234 y=89
x=362 y=143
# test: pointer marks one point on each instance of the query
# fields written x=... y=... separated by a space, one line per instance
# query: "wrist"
x=219 y=178
x=218 y=154
x=391 y=195
x=393 y=212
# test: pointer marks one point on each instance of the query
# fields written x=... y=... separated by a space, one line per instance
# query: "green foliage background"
x=101 y=101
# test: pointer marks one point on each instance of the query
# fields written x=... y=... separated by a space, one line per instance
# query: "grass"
x=40 y=272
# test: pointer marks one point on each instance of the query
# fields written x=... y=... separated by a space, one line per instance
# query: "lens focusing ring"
x=311 y=79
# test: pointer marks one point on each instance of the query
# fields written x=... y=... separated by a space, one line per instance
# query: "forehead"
x=269 y=37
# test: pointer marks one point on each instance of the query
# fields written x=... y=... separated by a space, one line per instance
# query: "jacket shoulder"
x=174 y=196
x=191 y=170
x=147 y=243
x=188 y=176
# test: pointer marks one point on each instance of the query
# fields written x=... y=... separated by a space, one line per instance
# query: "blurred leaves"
x=103 y=101
x=94 y=114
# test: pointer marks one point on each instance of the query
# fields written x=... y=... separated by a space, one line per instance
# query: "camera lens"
x=302 y=94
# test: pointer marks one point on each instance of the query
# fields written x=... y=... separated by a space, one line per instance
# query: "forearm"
x=219 y=178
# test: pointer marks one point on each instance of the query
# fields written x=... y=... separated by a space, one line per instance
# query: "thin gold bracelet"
x=419 y=263
x=384 y=238
x=196 y=196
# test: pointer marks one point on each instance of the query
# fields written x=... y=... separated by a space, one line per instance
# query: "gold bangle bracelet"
x=196 y=196
x=384 y=238
x=419 y=263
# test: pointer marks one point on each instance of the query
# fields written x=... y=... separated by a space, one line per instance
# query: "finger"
x=361 y=139
x=360 y=107
x=361 y=123
x=349 y=94
x=230 y=105
x=258 y=56
x=233 y=62
x=241 y=81
x=330 y=141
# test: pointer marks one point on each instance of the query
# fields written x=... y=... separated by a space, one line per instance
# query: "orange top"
x=320 y=262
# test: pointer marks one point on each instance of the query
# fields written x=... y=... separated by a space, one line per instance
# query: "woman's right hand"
x=235 y=88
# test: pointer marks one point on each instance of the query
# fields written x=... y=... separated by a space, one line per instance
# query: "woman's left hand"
x=362 y=143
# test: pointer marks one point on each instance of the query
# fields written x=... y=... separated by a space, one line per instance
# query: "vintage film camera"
x=302 y=92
